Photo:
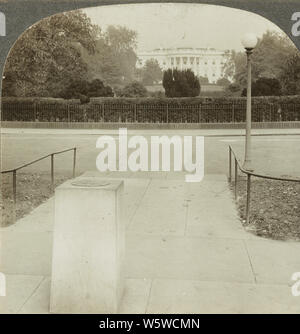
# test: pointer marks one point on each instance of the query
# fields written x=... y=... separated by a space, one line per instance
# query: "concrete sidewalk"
x=186 y=252
x=153 y=132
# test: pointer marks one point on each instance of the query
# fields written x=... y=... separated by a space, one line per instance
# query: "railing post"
x=52 y=170
x=68 y=110
x=167 y=113
x=235 y=177
x=248 y=198
x=102 y=112
x=229 y=178
x=74 y=163
x=34 y=111
x=15 y=187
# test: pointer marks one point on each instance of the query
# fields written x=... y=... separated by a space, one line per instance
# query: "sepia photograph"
x=150 y=164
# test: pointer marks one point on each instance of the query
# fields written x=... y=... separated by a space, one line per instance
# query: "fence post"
x=34 y=111
x=52 y=170
x=74 y=163
x=15 y=187
x=135 y=113
x=248 y=198
x=167 y=113
x=229 y=164
x=235 y=177
x=102 y=112
x=233 y=112
x=199 y=113
x=68 y=109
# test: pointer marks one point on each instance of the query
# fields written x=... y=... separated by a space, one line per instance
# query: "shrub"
x=134 y=89
x=84 y=99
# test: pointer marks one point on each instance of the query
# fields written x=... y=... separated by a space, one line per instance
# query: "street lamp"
x=249 y=42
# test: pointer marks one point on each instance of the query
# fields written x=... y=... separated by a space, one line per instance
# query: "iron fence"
x=149 y=112
x=250 y=174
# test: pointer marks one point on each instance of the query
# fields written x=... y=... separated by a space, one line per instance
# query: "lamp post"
x=249 y=42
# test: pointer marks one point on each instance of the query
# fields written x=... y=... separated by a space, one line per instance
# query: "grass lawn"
x=32 y=190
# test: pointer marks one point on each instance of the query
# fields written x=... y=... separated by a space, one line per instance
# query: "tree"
x=265 y=87
x=151 y=72
x=290 y=76
x=115 y=58
x=47 y=57
x=180 y=83
x=134 y=89
x=268 y=59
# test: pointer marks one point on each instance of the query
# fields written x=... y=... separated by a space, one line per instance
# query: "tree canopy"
x=290 y=77
x=47 y=56
x=64 y=50
x=265 y=87
x=181 y=83
x=115 y=58
x=270 y=59
x=150 y=73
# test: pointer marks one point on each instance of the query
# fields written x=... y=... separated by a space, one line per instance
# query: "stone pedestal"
x=88 y=249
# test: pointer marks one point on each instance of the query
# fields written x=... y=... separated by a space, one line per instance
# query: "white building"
x=203 y=62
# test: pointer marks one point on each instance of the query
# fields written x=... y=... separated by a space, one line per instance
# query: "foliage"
x=157 y=94
x=150 y=73
x=159 y=101
x=290 y=76
x=83 y=99
x=134 y=89
x=115 y=58
x=268 y=59
x=94 y=88
x=180 y=83
x=46 y=57
x=264 y=87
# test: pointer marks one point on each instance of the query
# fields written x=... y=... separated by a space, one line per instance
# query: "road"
x=272 y=154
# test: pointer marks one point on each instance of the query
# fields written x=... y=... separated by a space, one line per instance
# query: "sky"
x=182 y=25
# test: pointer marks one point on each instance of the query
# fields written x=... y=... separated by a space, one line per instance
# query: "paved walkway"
x=186 y=252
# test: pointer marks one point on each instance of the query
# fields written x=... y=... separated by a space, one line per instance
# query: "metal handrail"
x=249 y=174
x=51 y=155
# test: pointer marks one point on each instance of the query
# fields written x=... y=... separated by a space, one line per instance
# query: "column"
x=88 y=248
